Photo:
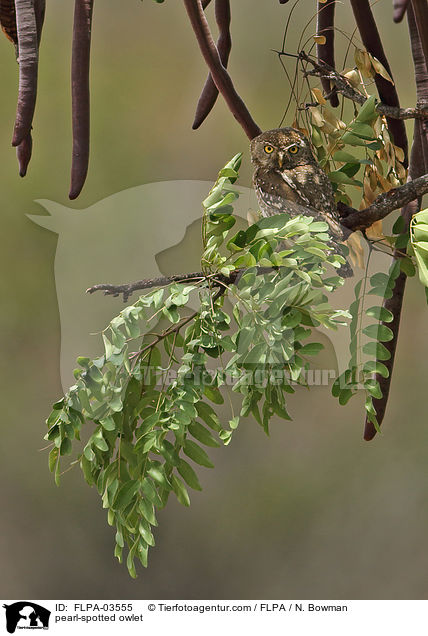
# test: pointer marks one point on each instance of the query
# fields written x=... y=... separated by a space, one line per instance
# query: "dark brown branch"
x=418 y=166
x=342 y=85
x=80 y=94
x=386 y=203
x=325 y=52
x=420 y=10
x=219 y=74
x=399 y=9
x=28 y=56
x=387 y=91
x=224 y=44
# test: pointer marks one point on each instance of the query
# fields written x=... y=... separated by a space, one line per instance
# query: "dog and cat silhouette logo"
x=26 y=615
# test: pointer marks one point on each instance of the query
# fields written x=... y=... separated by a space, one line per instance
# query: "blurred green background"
x=312 y=511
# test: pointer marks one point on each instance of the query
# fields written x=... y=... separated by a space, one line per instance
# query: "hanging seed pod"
x=80 y=60
x=28 y=56
x=224 y=44
x=325 y=43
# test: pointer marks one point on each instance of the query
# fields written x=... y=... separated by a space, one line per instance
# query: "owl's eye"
x=293 y=149
x=268 y=149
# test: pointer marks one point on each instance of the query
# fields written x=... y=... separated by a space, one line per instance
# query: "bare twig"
x=399 y=9
x=387 y=91
x=224 y=44
x=325 y=52
x=418 y=166
x=345 y=88
x=28 y=57
x=80 y=94
x=128 y=288
x=219 y=74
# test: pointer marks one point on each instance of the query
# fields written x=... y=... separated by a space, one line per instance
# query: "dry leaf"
x=384 y=183
x=380 y=69
x=363 y=62
x=401 y=171
x=320 y=39
x=316 y=117
x=331 y=118
x=318 y=96
x=353 y=77
x=375 y=231
x=399 y=153
x=356 y=250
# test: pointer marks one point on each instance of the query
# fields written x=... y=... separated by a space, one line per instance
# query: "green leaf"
x=188 y=474
x=377 y=350
x=213 y=394
x=379 y=332
x=180 y=491
x=66 y=446
x=202 y=435
x=195 y=452
x=125 y=494
x=311 y=349
x=376 y=367
x=53 y=458
x=368 y=110
x=380 y=313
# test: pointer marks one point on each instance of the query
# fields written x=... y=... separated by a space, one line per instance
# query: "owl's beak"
x=280 y=159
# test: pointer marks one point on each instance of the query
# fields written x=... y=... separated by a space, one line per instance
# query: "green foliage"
x=419 y=242
x=359 y=153
x=148 y=400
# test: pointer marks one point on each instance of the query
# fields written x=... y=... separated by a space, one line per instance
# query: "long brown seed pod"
x=387 y=91
x=399 y=9
x=219 y=74
x=24 y=150
x=325 y=52
x=28 y=56
x=224 y=44
x=80 y=61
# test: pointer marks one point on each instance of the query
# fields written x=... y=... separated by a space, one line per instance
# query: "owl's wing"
x=313 y=190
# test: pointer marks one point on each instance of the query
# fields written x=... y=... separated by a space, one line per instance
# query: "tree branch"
x=147 y=283
x=385 y=203
x=219 y=74
x=322 y=70
x=418 y=166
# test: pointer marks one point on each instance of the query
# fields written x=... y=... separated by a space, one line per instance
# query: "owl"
x=287 y=178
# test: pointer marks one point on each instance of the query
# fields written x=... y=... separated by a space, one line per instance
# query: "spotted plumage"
x=287 y=178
